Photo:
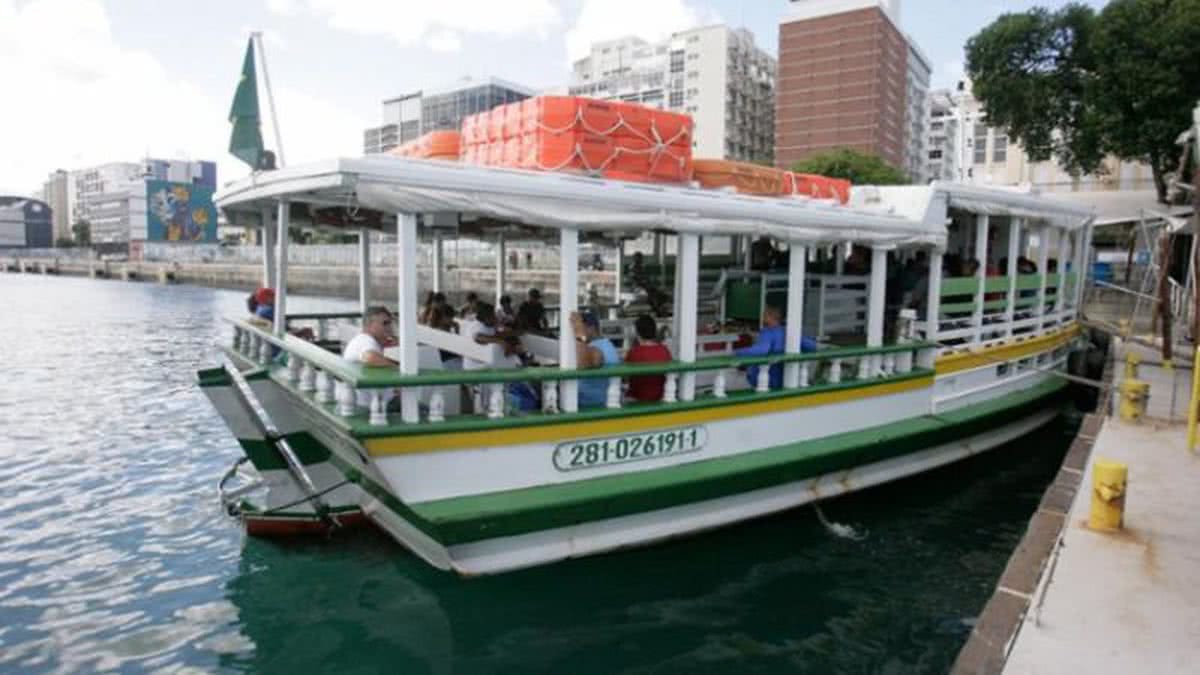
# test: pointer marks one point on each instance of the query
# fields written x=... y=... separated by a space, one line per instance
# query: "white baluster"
x=864 y=367
x=904 y=362
x=550 y=397
x=719 y=384
x=378 y=409
x=495 y=401
x=322 y=329
x=264 y=351
x=345 y=399
x=308 y=376
x=671 y=388
x=237 y=338
x=293 y=369
x=325 y=386
x=889 y=364
x=835 y=371
x=762 y=383
x=477 y=399
x=803 y=374
x=926 y=358
x=255 y=347
x=437 y=406
x=613 y=399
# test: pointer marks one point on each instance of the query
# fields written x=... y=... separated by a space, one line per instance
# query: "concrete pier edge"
x=986 y=650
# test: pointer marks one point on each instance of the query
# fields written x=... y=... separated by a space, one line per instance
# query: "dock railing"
x=330 y=382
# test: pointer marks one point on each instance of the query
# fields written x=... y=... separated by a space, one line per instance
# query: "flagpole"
x=262 y=59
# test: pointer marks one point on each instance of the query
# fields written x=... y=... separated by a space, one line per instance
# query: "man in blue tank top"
x=593 y=351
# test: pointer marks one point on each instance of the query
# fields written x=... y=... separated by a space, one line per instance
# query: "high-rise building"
x=943 y=131
x=408 y=116
x=56 y=193
x=983 y=155
x=716 y=74
x=24 y=222
x=919 y=72
x=156 y=199
x=848 y=77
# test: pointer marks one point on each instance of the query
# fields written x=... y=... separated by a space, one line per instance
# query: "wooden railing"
x=335 y=383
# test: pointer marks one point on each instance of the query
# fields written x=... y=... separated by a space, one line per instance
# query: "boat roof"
x=561 y=200
x=501 y=197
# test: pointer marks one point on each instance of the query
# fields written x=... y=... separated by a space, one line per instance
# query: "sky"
x=94 y=81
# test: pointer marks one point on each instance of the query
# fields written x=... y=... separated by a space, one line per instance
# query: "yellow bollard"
x=1134 y=394
x=1131 y=364
x=1108 y=495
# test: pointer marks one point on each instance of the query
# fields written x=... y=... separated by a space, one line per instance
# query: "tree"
x=1076 y=86
x=64 y=242
x=83 y=233
x=857 y=167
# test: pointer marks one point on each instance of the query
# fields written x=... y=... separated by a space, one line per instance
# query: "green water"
x=114 y=554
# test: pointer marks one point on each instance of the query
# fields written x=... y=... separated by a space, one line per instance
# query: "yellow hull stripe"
x=996 y=354
x=551 y=433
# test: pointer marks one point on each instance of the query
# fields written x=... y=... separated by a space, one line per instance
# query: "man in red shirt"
x=647 y=350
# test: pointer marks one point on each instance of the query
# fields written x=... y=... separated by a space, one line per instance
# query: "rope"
x=302 y=500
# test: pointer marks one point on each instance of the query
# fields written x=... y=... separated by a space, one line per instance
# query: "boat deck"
x=1128 y=601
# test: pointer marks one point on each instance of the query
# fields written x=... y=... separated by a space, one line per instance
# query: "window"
x=1000 y=148
x=980 y=154
x=935 y=154
x=676 y=99
x=677 y=61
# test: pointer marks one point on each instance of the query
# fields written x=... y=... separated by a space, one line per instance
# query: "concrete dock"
x=1073 y=599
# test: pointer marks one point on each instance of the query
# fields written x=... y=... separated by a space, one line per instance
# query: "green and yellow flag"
x=246 y=142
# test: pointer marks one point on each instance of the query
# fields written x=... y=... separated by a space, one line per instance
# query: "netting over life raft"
x=612 y=139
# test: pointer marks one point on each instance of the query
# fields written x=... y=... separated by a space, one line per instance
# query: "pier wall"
x=326 y=280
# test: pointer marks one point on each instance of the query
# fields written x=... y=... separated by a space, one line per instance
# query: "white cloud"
x=285 y=7
x=410 y=21
x=444 y=41
x=84 y=100
x=650 y=20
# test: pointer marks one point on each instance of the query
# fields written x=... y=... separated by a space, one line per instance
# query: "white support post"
x=1085 y=245
x=981 y=241
x=747 y=246
x=437 y=262
x=933 y=300
x=618 y=272
x=501 y=266
x=281 y=260
x=795 y=313
x=876 y=305
x=676 y=300
x=568 y=290
x=364 y=270
x=406 y=313
x=1060 y=297
x=1014 y=252
x=268 y=248
x=1043 y=260
x=687 y=266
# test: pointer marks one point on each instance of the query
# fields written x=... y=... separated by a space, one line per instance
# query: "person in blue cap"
x=593 y=351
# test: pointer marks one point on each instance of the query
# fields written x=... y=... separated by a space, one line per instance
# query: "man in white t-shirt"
x=482 y=330
x=367 y=347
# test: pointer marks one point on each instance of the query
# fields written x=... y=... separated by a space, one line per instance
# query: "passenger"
x=367 y=348
x=263 y=302
x=593 y=351
x=483 y=330
x=505 y=316
x=469 y=309
x=532 y=314
x=762 y=252
x=771 y=340
x=647 y=350
x=655 y=297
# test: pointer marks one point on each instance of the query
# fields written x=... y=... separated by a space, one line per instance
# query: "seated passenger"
x=482 y=330
x=647 y=350
x=505 y=316
x=367 y=348
x=469 y=309
x=771 y=340
x=531 y=315
x=593 y=351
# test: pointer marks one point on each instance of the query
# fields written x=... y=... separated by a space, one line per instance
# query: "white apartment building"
x=943 y=130
x=915 y=151
x=716 y=74
x=112 y=197
x=985 y=156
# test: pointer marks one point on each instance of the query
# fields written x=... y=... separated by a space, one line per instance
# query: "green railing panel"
x=995 y=284
x=1029 y=282
x=960 y=286
x=957 y=308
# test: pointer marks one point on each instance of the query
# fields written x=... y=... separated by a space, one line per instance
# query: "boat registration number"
x=595 y=452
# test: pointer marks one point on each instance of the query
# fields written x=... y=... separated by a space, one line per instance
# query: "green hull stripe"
x=514 y=512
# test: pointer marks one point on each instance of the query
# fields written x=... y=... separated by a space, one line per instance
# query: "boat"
x=963 y=363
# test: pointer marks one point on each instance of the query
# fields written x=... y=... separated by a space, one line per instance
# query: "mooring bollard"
x=1134 y=395
x=1108 y=495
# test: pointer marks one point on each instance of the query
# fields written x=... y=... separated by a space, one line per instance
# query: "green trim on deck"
x=265 y=457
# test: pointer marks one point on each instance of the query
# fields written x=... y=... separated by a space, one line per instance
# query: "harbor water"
x=114 y=554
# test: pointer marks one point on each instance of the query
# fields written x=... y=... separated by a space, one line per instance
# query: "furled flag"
x=246 y=142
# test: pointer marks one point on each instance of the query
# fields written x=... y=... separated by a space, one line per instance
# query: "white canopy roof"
x=996 y=201
x=558 y=200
